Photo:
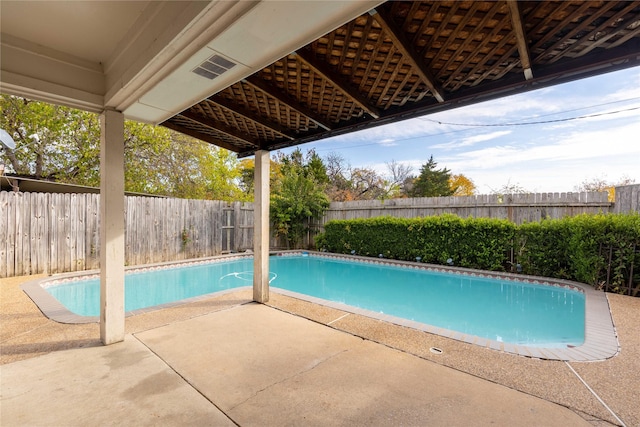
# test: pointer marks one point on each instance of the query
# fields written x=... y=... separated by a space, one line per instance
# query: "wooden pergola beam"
x=250 y=115
x=220 y=127
x=521 y=38
x=201 y=136
x=402 y=44
x=336 y=80
x=288 y=100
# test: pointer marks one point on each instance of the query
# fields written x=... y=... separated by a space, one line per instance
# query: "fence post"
x=627 y=199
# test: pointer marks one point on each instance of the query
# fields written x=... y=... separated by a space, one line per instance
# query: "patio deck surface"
x=226 y=361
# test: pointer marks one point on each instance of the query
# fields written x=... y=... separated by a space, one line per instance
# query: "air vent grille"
x=214 y=67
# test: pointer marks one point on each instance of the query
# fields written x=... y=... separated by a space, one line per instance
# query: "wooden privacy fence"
x=54 y=233
x=159 y=229
x=518 y=208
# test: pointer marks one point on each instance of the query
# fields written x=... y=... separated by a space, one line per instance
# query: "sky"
x=481 y=141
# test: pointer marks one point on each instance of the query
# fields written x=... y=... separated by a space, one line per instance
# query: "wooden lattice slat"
x=229 y=118
x=361 y=54
x=295 y=78
x=267 y=106
x=570 y=29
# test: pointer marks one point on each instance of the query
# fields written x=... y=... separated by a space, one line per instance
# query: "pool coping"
x=601 y=340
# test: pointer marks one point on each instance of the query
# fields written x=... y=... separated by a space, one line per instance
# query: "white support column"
x=261 y=227
x=111 y=227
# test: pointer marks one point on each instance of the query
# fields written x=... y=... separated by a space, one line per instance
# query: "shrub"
x=574 y=248
x=476 y=243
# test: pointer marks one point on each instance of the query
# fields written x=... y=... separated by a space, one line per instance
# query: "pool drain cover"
x=435 y=350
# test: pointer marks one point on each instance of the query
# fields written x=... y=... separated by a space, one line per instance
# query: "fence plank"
x=74 y=222
x=18 y=223
x=10 y=245
x=5 y=205
x=92 y=232
x=627 y=198
x=33 y=234
x=64 y=258
x=25 y=238
x=11 y=235
x=44 y=259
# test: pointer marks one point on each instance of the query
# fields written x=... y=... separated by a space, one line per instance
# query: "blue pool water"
x=502 y=310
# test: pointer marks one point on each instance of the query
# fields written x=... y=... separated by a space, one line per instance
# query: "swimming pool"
x=482 y=307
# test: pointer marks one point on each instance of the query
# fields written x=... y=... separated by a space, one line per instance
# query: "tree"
x=161 y=161
x=297 y=199
x=63 y=144
x=463 y=186
x=299 y=195
x=346 y=183
x=198 y=170
x=144 y=164
x=339 y=172
x=432 y=182
x=401 y=176
x=337 y=167
x=309 y=164
x=510 y=188
x=366 y=184
x=247 y=171
x=189 y=170
x=52 y=142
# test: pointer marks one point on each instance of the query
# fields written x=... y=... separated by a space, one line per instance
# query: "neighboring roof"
x=406 y=59
x=31 y=185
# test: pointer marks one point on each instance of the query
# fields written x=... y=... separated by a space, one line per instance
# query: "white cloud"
x=630 y=87
x=577 y=145
x=558 y=165
x=498 y=110
x=388 y=142
x=472 y=140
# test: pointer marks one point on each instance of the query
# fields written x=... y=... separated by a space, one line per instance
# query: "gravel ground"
x=26 y=333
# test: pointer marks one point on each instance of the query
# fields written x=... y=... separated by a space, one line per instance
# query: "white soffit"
x=263 y=34
x=84 y=29
x=54 y=50
x=38 y=72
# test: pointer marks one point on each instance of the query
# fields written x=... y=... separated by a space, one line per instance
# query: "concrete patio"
x=228 y=361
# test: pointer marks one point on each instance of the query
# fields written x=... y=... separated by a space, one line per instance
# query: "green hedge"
x=475 y=243
x=575 y=248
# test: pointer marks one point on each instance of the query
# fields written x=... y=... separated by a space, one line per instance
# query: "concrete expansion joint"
x=24 y=333
x=283 y=380
x=339 y=318
x=185 y=379
x=596 y=395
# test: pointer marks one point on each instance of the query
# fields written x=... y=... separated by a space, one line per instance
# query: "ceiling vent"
x=214 y=67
